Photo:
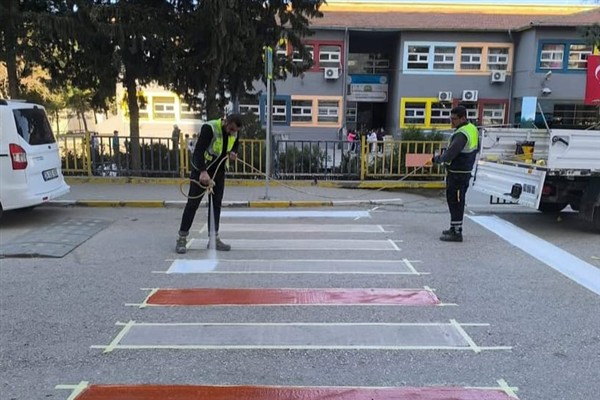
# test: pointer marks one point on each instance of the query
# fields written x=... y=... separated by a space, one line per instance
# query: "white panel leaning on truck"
x=558 y=168
x=30 y=165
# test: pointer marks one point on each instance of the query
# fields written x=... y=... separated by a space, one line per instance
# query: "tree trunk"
x=11 y=48
x=134 y=122
x=212 y=107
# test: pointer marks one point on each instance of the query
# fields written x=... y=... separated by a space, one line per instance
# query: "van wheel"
x=597 y=219
x=550 y=208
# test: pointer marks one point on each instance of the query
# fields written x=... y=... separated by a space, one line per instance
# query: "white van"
x=30 y=165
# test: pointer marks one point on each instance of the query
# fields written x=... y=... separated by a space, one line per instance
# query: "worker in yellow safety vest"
x=458 y=159
x=216 y=145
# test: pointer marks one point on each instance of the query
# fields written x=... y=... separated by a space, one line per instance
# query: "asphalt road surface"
x=367 y=297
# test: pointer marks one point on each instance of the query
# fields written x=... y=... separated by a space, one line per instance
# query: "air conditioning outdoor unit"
x=445 y=96
x=470 y=95
x=498 y=76
x=331 y=73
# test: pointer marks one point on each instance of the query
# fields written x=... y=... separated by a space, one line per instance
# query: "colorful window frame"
x=433 y=113
x=440 y=60
x=563 y=64
x=280 y=103
x=322 y=104
x=316 y=48
x=421 y=109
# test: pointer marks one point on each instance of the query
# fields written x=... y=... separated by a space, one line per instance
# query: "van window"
x=33 y=126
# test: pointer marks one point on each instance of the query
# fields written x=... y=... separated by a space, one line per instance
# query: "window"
x=164 y=107
x=440 y=115
x=498 y=58
x=249 y=108
x=377 y=63
x=328 y=111
x=143 y=110
x=414 y=113
x=418 y=57
x=470 y=58
x=551 y=56
x=443 y=58
x=32 y=125
x=472 y=112
x=188 y=112
x=575 y=116
x=297 y=58
x=493 y=114
x=578 y=54
x=330 y=56
x=279 y=110
x=351 y=111
x=301 y=111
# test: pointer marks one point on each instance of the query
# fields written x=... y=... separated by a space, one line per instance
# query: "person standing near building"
x=218 y=140
x=458 y=159
x=175 y=138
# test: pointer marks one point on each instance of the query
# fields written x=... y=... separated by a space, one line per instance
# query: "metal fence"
x=105 y=155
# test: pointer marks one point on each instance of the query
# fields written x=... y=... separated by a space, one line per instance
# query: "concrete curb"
x=229 y=204
x=380 y=184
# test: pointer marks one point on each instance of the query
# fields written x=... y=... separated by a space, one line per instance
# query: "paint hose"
x=206 y=188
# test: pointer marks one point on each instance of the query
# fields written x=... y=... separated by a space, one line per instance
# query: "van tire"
x=551 y=208
x=597 y=219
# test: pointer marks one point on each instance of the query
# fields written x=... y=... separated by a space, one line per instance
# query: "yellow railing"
x=83 y=154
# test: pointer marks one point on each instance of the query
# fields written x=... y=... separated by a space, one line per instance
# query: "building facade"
x=395 y=66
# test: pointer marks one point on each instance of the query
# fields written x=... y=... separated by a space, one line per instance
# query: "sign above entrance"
x=367 y=88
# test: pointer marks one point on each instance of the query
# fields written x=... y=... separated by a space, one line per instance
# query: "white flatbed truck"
x=563 y=170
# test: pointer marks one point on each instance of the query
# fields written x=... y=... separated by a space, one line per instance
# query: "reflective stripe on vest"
x=216 y=145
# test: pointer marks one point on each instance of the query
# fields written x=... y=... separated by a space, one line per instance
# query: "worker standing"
x=458 y=159
x=217 y=143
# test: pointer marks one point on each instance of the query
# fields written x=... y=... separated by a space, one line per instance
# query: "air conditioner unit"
x=470 y=95
x=331 y=73
x=445 y=96
x=498 y=76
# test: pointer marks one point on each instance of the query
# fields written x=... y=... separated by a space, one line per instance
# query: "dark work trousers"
x=456 y=190
x=215 y=199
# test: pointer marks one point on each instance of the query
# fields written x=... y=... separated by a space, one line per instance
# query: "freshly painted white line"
x=305 y=244
x=295 y=266
x=567 y=264
x=294 y=214
x=342 y=228
x=152 y=292
x=133 y=323
x=292 y=347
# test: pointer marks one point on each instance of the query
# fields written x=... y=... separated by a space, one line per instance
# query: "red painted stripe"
x=155 y=392
x=210 y=297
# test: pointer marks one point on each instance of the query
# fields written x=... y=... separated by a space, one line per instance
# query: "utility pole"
x=269 y=75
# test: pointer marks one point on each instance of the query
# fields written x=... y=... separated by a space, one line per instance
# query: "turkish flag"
x=592 y=88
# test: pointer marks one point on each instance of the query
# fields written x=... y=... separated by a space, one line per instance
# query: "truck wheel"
x=550 y=208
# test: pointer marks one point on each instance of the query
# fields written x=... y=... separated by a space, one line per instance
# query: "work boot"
x=181 y=246
x=451 y=235
x=219 y=245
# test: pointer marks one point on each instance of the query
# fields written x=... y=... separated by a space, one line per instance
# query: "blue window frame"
x=429 y=57
x=282 y=109
x=562 y=56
